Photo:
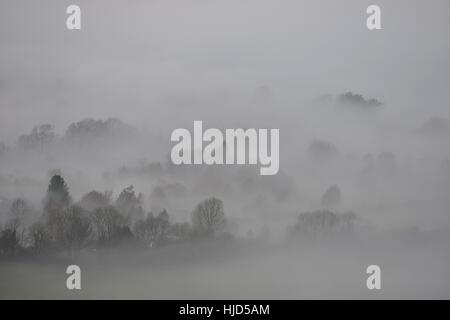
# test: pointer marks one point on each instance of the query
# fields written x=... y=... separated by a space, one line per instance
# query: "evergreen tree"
x=57 y=196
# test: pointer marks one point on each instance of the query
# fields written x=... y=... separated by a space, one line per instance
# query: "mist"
x=364 y=120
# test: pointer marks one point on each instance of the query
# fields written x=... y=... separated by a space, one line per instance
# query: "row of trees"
x=321 y=224
x=85 y=132
x=98 y=221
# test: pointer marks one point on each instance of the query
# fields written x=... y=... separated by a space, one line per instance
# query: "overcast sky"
x=131 y=55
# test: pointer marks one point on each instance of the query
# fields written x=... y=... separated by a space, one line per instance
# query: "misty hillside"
x=87 y=178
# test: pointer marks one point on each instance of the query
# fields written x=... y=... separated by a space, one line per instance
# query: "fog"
x=364 y=119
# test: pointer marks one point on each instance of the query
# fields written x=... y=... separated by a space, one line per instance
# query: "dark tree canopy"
x=9 y=242
x=71 y=228
x=153 y=230
x=88 y=131
x=40 y=236
x=58 y=196
x=357 y=100
x=324 y=222
x=129 y=204
x=18 y=211
x=94 y=200
x=109 y=226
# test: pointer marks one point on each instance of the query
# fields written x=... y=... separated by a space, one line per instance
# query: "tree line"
x=99 y=221
x=96 y=220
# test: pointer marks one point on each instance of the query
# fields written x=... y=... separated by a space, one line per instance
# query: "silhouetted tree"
x=39 y=237
x=208 y=217
x=357 y=100
x=71 y=228
x=180 y=231
x=108 y=225
x=324 y=222
x=316 y=222
x=9 y=242
x=57 y=196
x=153 y=230
x=94 y=200
x=17 y=220
x=13 y=235
x=129 y=205
x=87 y=131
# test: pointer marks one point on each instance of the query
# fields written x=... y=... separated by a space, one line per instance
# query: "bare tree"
x=153 y=230
x=71 y=228
x=108 y=225
x=9 y=242
x=180 y=231
x=208 y=217
x=316 y=222
x=39 y=237
x=348 y=221
x=323 y=223
x=19 y=213
x=12 y=237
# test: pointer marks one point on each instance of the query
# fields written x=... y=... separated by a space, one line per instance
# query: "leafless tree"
x=39 y=237
x=153 y=230
x=324 y=222
x=9 y=242
x=208 y=217
x=71 y=228
x=180 y=231
x=17 y=221
x=108 y=225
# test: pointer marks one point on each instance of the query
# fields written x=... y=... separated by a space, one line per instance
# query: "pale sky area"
x=131 y=58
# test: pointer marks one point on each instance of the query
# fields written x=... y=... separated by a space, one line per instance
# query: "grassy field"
x=235 y=272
